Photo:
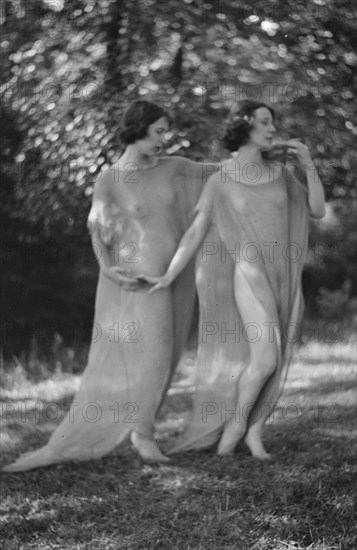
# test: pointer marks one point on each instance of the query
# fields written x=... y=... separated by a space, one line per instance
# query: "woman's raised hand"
x=301 y=151
x=115 y=274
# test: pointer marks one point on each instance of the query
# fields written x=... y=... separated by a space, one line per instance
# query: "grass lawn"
x=303 y=499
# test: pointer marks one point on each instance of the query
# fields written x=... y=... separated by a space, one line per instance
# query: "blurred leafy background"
x=70 y=67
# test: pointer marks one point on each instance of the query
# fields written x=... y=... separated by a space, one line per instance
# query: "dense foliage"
x=70 y=67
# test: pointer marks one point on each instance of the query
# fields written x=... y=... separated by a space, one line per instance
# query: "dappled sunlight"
x=317 y=393
x=312 y=392
x=70 y=69
x=185 y=376
x=53 y=389
x=172 y=422
x=304 y=376
x=9 y=441
x=324 y=353
x=22 y=437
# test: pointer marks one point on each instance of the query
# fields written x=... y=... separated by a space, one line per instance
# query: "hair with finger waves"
x=137 y=118
x=239 y=128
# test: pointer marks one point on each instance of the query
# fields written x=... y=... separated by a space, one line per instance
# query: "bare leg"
x=270 y=396
x=253 y=439
x=155 y=343
x=256 y=305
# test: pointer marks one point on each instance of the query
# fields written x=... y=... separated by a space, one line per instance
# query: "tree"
x=71 y=67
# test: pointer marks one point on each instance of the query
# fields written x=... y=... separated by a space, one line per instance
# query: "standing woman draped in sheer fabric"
x=141 y=207
x=252 y=222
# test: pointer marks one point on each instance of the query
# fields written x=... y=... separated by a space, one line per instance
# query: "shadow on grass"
x=303 y=499
x=198 y=501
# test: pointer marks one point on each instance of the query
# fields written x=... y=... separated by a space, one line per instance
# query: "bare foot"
x=230 y=438
x=256 y=446
x=147 y=449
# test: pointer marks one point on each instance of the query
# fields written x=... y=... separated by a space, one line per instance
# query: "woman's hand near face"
x=302 y=153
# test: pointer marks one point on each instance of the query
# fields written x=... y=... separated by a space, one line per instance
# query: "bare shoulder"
x=171 y=165
x=184 y=163
x=176 y=159
x=170 y=160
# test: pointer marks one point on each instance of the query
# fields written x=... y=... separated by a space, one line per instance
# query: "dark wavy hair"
x=239 y=128
x=137 y=118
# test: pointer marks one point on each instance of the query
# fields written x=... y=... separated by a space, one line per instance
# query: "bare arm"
x=96 y=222
x=316 y=192
x=186 y=249
x=316 y=195
x=195 y=175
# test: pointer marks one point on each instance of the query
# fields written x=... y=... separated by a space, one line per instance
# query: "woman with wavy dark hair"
x=141 y=207
x=252 y=219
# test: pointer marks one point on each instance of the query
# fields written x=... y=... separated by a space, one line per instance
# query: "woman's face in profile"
x=152 y=143
x=263 y=129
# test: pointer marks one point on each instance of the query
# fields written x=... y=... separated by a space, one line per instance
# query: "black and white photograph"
x=178 y=275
